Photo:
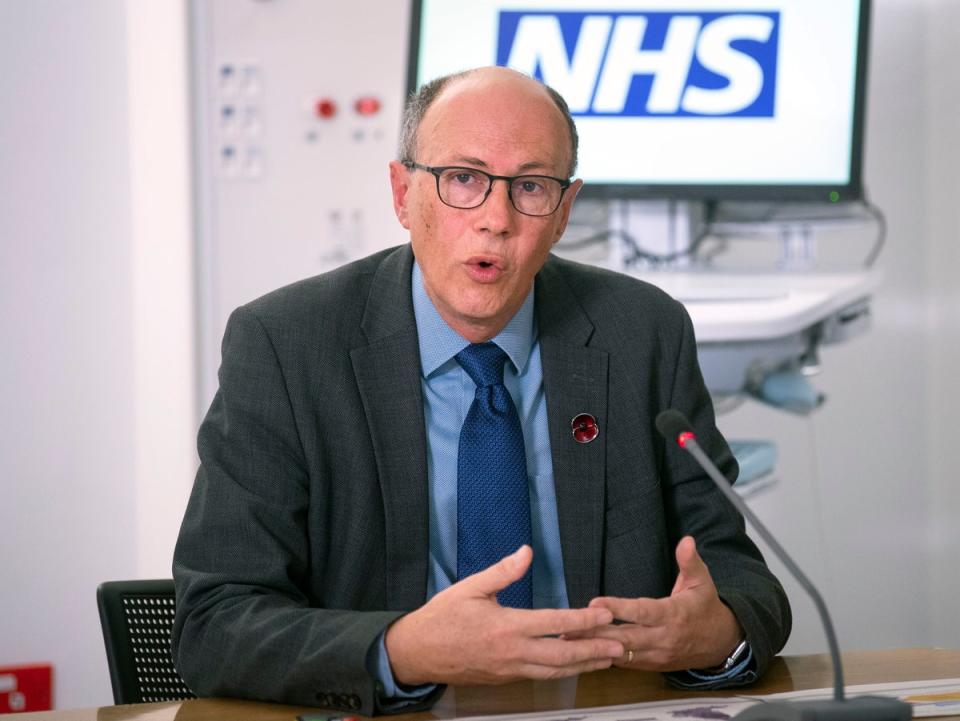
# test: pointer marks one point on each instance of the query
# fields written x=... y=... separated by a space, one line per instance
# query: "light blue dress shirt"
x=448 y=393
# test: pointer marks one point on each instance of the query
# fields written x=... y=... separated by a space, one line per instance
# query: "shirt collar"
x=439 y=343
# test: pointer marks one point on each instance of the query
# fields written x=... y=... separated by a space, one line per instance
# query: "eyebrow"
x=523 y=169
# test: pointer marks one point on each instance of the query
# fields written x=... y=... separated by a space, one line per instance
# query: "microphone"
x=675 y=428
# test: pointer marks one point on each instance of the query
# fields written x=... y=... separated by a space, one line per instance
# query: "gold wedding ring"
x=629 y=655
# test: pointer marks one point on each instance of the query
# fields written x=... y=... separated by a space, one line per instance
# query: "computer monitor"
x=695 y=99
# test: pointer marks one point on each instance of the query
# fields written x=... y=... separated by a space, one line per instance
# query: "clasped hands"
x=463 y=636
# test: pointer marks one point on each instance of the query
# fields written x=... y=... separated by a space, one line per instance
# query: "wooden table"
x=602 y=688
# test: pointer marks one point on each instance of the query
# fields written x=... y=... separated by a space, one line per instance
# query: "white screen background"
x=808 y=141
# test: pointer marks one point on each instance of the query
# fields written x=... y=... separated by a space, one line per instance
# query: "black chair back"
x=137 y=619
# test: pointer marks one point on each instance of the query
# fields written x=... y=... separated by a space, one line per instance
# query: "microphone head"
x=672 y=425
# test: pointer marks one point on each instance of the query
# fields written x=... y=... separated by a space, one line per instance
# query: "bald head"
x=486 y=85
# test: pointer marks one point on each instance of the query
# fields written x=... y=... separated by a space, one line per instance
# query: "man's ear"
x=400 y=184
x=565 y=205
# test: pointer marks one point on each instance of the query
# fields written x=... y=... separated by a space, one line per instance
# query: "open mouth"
x=484 y=261
x=484 y=270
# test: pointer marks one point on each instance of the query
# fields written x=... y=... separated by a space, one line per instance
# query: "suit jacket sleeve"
x=696 y=507
x=245 y=625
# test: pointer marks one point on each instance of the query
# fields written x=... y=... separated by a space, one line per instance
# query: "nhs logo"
x=720 y=64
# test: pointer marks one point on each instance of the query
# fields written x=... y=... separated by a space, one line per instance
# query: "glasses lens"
x=536 y=194
x=462 y=187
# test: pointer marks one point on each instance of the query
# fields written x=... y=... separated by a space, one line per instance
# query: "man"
x=346 y=464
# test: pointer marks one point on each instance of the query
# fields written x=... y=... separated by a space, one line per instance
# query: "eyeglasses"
x=466 y=188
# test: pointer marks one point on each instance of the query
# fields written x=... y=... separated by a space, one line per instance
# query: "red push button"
x=367 y=105
x=325 y=108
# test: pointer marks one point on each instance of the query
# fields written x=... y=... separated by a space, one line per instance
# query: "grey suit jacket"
x=306 y=533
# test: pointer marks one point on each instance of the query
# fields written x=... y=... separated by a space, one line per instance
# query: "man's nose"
x=497 y=211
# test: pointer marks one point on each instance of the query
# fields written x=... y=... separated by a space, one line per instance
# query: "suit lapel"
x=388 y=376
x=575 y=382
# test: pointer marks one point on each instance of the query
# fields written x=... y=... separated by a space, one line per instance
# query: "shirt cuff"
x=742 y=674
x=391 y=695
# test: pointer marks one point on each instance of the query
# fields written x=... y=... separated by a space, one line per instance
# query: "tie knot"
x=483 y=362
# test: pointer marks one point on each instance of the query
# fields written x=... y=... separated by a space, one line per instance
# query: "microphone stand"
x=675 y=427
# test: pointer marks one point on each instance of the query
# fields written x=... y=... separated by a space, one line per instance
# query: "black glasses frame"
x=438 y=170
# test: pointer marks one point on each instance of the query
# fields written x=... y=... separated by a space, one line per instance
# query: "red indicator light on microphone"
x=367 y=105
x=684 y=437
x=325 y=108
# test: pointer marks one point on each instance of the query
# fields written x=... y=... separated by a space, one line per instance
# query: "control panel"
x=297 y=110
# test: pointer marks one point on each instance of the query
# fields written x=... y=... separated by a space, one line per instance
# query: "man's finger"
x=540 y=672
x=644 y=641
x=558 y=652
x=650 y=659
x=501 y=574
x=643 y=611
x=557 y=622
x=553 y=658
x=693 y=570
x=688 y=558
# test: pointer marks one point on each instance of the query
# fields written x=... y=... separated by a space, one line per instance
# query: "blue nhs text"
x=714 y=64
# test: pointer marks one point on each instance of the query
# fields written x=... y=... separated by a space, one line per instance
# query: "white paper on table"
x=720 y=709
x=928 y=698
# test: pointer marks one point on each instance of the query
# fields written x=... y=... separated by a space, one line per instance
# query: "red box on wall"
x=26 y=688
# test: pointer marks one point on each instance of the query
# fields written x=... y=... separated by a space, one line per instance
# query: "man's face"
x=479 y=264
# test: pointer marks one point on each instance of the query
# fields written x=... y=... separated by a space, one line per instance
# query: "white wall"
x=871 y=438
x=66 y=453
x=96 y=317
x=942 y=238
x=867 y=499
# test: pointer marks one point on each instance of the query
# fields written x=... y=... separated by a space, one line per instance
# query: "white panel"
x=286 y=193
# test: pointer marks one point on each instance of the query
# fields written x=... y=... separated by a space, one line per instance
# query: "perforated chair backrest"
x=137 y=618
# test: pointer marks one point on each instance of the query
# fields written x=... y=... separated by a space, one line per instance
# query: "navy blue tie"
x=493 y=501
